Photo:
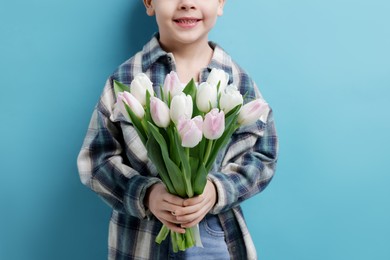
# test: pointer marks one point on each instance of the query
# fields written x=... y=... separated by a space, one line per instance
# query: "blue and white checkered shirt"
x=113 y=161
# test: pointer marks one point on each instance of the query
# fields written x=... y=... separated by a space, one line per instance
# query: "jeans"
x=213 y=240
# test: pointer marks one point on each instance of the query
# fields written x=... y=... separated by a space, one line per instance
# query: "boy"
x=114 y=163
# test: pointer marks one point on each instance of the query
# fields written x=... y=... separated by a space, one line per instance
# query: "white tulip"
x=206 y=97
x=230 y=98
x=218 y=75
x=181 y=106
x=138 y=87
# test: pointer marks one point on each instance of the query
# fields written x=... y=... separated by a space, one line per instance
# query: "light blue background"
x=324 y=66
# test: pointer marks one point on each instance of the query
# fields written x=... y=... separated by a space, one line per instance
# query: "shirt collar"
x=152 y=51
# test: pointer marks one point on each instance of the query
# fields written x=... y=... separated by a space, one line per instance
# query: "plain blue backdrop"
x=324 y=66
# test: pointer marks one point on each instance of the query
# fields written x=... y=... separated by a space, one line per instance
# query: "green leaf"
x=232 y=115
x=184 y=159
x=218 y=145
x=155 y=155
x=120 y=87
x=173 y=152
x=200 y=179
x=175 y=175
x=147 y=116
x=162 y=96
x=194 y=162
x=198 y=151
x=137 y=124
x=190 y=89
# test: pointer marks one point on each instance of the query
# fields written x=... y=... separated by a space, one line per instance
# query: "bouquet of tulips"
x=183 y=130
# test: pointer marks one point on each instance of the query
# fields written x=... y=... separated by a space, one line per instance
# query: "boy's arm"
x=248 y=165
x=101 y=163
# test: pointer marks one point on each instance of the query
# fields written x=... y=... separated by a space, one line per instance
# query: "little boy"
x=113 y=161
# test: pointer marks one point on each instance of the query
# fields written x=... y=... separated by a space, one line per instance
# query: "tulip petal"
x=190 y=131
x=159 y=112
x=214 y=124
x=253 y=111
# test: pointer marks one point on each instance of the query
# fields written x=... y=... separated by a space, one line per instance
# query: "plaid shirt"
x=113 y=161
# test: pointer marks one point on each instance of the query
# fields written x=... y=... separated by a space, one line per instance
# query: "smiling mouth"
x=187 y=21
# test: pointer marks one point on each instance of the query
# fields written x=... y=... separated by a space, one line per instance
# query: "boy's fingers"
x=193 y=201
x=167 y=216
x=173 y=227
x=192 y=223
x=188 y=210
x=171 y=208
x=174 y=199
x=188 y=214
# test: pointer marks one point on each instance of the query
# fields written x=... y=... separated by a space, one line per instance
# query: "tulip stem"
x=143 y=123
x=208 y=150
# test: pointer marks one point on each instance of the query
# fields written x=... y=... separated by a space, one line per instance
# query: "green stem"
x=187 y=175
x=162 y=235
x=143 y=123
x=175 y=246
x=187 y=153
x=208 y=150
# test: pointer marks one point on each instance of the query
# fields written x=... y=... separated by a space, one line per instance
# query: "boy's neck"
x=190 y=59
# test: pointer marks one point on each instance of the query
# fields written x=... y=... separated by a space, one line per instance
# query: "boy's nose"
x=187 y=5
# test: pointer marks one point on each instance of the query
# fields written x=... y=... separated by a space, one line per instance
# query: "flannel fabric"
x=113 y=161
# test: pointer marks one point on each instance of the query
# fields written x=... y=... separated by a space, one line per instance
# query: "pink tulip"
x=135 y=106
x=251 y=112
x=159 y=112
x=172 y=85
x=190 y=131
x=214 y=124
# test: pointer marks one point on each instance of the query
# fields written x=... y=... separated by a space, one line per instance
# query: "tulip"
x=253 y=111
x=206 y=97
x=181 y=106
x=159 y=112
x=230 y=98
x=135 y=106
x=138 y=87
x=214 y=124
x=218 y=75
x=172 y=85
x=190 y=131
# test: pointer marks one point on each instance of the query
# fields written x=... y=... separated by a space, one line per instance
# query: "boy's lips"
x=186 y=22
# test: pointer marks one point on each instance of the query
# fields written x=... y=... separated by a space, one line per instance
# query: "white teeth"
x=187 y=21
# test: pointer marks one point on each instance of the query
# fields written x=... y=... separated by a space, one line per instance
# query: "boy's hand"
x=196 y=208
x=162 y=204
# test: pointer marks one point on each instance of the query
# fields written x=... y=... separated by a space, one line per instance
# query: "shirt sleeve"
x=248 y=164
x=102 y=162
